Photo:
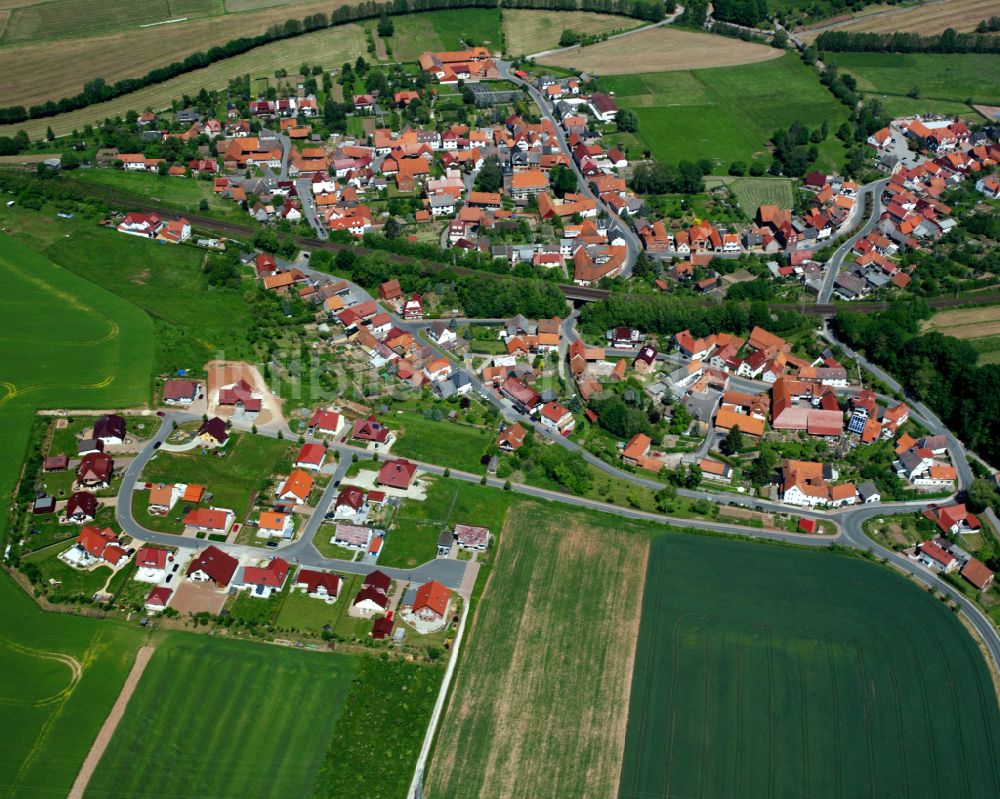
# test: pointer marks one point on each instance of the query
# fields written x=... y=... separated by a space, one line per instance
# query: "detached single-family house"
x=158 y=599
x=151 y=565
x=431 y=602
x=397 y=473
x=325 y=423
x=262 y=581
x=275 y=525
x=95 y=471
x=110 y=429
x=472 y=537
x=319 y=585
x=210 y=520
x=350 y=504
x=311 y=456
x=212 y=565
x=180 y=392
x=934 y=557
x=296 y=487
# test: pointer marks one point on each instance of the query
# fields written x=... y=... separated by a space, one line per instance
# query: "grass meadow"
x=755 y=192
x=729 y=113
x=442 y=30
x=939 y=77
x=539 y=707
x=230 y=717
x=250 y=461
x=767 y=671
x=182 y=194
x=457 y=446
x=61 y=675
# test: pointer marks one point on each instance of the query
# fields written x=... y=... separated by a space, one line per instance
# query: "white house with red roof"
x=325 y=423
x=262 y=581
x=94 y=546
x=933 y=556
x=351 y=504
x=151 y=565
x=413 y=308
x=212 y=565
x=319 y=585
x=136 y=224
x=311 y=456
x=158 y=599
x=557 y=417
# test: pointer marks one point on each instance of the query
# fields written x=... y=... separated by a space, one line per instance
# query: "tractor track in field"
x=836 y=720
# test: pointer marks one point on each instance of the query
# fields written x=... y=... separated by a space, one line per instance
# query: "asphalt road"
x=870 y=192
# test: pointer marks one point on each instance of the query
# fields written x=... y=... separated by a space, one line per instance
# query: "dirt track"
x=110 y=723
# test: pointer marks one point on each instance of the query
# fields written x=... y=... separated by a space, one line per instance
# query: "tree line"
x=649 y=10
x=949 y=41
x=937 y=369
x=667 y=315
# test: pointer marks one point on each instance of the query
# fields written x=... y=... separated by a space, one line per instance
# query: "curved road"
x=870 y=192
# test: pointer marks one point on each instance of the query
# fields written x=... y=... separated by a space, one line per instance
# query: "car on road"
x=272 y=544
x=176 y=567
x=157 y=445
x=169 y=578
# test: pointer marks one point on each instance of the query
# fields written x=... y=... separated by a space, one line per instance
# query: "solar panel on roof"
x=857 y=423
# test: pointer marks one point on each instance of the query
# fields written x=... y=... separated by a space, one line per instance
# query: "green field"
x=182 y=194
x=250 y=460
x=952 y=77
x=445 y=443
x=194 y=322
x=443 y=30
x=52 y=714
x=232 y=718
x=811 y=674
x=729 y=113
x=539 y=707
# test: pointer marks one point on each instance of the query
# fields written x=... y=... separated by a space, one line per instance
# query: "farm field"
x=107 y=362
x=926 y=19
x=767 y=690
x=726 y=114
x=754 y=192
x=662 y=49
x=955 y=77
x=250 y=460
x=540 y=701
x=441 y=30
x=980 y=326
x=330 y=47
x=62 y=674
x=527 y=31
x=445 y=443
x=257 y=696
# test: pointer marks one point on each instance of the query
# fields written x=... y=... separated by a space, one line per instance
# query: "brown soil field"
x=662 y=50
x=330 y=47
x=197 y=598
x=542 y=700
x=967 y=322
x=527 y=32
x=928 y=19
x=51 y=70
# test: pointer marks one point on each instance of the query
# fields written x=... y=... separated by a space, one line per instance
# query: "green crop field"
x=230 y=717
x=445 y=443
x=954 y=77
x=728 y=113
x=766 y=671
x=539 y=708
x=61 y=675
x=250 y=460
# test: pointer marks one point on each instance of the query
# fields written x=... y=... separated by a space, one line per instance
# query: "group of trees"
x=667 y=315
x=905 y=42
x=939 y=370
x=795 y=149
x=741 y=12
x=686 y=177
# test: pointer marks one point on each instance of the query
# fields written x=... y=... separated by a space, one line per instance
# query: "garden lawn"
x=445 y=443
x=250 y=460
x=234 y=718
x=755 y=192
x=303 y=614
x=728 y=113
x=52 y=715
x=539 y=707
x=72 y=581
x=811 y=673
x=955 y=77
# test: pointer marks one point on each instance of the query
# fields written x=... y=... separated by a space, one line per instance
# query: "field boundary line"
x=107 y=730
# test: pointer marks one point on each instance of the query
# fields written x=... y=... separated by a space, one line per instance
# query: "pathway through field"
x=111 y=723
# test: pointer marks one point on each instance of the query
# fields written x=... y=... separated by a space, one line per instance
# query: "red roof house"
x=397 y=473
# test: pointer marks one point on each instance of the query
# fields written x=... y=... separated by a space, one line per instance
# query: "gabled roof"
x=219 y=566
x=432 y=595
